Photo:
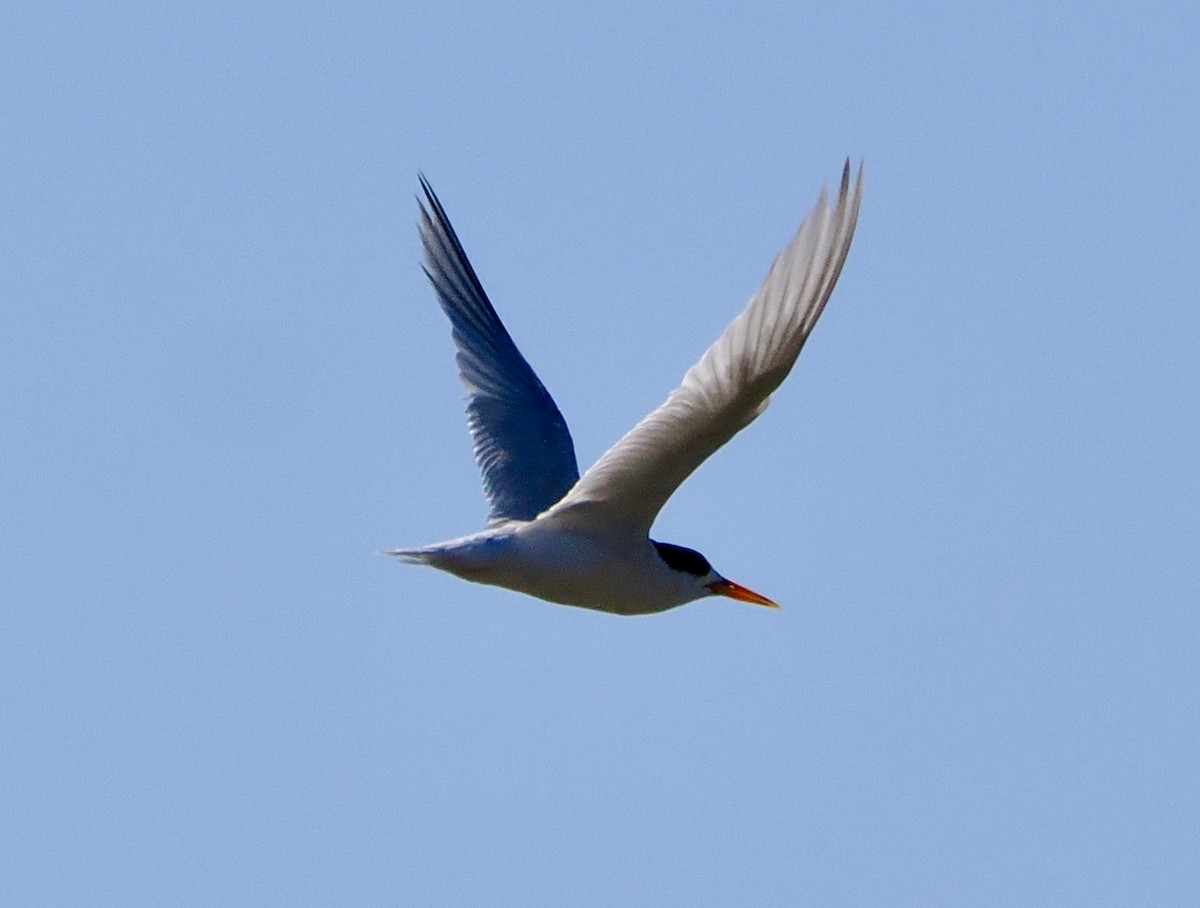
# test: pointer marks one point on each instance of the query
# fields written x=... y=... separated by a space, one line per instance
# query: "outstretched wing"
x=729 y=386
x=522 y=444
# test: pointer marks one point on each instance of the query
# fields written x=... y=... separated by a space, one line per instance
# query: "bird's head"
x=701 y=574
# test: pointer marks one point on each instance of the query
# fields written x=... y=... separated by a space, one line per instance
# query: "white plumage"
x=585 y=541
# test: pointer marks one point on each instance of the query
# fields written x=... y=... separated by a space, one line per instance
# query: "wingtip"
x=430 y=201
x=844 y=188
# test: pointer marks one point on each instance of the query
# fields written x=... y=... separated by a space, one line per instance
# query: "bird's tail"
x=411 y=556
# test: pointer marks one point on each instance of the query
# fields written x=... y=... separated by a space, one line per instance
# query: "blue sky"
x=226 y=386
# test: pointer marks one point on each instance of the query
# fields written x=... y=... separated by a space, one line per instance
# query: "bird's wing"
x=522 y=444
x=730 y=385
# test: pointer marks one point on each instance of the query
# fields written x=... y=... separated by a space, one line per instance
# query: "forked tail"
x=411 y=556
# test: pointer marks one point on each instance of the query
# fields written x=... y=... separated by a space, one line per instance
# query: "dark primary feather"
x=522 y=444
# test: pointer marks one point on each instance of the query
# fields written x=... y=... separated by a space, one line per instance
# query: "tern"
x=585 y=541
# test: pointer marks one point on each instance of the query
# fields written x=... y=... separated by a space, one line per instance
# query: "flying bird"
x=584 y=541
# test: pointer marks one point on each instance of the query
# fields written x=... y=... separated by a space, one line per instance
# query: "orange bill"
x=733 y=590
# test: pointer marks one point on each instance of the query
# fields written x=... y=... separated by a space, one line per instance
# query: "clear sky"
x=225 y=385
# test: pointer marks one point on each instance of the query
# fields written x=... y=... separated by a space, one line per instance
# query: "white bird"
x=584 y=541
